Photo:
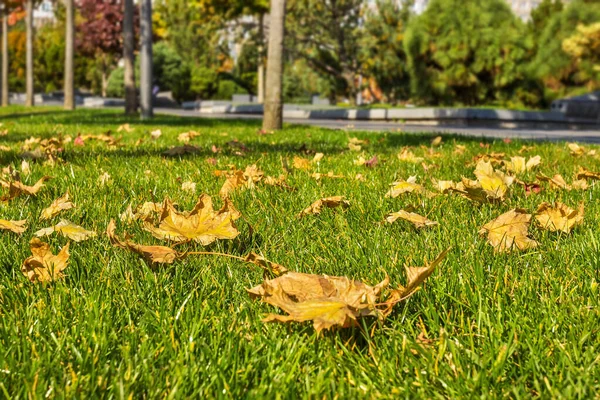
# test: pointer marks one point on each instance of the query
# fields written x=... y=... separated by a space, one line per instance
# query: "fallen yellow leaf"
x=43 y=266
x=417 y=220
x=509 y=231
x=66 y=228
x=13 y=226
x=203 y=224
x=328 y=202
x=58 y=205
x=559 y=217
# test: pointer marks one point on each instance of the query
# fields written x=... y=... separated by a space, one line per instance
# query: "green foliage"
x=204 y=82
x=382 y=48
x=169 y=70
x=325 y=34
x=466 y=52
x=559 y=70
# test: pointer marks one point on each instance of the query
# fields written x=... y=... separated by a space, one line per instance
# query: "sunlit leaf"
x=509 y=231
x=68 y=229
x=559 y=217
x=43 y=266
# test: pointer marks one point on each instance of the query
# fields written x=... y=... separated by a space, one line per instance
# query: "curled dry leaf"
x=188 y=187
x=576 y=150
x=144 y=212
x=16 y=189
x=443 y=186
x=203 y=224
x=407 y=186
x=559 y=217
x=25 y=168
x=409 y=156
x=156 y=134
x=43 y=266
x=61 y=204
x=13 y=226
x=152 y=254
x=509 y=231
x=237 y=179
x=331 y=301
x=586 y=174
x=417 y=220
x=280 y=182
x=318 y=157
x=519 y=164
x=494 y=182
x=436 y=141
x=328 y=202
x=68 y=229
x=558 y=182
x=125 y=128
x=187 y=136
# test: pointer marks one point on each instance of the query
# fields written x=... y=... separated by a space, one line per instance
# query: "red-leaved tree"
x=100 y=33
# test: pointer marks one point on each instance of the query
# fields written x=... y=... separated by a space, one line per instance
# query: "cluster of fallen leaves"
x=327 y=301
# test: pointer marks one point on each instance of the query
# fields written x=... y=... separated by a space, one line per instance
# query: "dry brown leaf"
x=317 y=158
x=125 y=128
x=436 y=141
x=407 y=186
x=152 y=254
x=43 y=266
x=187 y=136
x=558 y=182
x=181 y=150
x=203 y=224
x=68 y=229
x=301 y=163
x=331 y=301
x=417 y=220
x=409 y=156
x=460 y=149
x=443 y=186
x=519 y=165
x=188 y=187
x=13 y=226
x=575 y=149
x=25 y=168
x=155 y=134
x=583 y=173
x=327 y=202
x=559 y=217
x=16 y=189
x=280 y=182
x=237 y=179
x=61 y=204
x=509 y=231
x=144 y=212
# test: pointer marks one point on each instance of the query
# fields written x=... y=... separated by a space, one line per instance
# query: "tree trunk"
x=69 y=56
x=104 y=79
x=261 y=60
x=5 y=92
x=273 y=116
x=146 y=58
x=129 y=58
x=29 y=99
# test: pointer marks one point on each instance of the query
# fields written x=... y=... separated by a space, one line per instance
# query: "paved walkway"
x=588 y=136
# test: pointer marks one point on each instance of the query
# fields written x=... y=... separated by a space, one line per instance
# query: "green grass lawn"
x=485 y=324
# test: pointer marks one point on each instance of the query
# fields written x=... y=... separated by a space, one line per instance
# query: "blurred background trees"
x=457 y=52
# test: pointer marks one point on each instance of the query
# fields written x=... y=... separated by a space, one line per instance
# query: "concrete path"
x=587 y=136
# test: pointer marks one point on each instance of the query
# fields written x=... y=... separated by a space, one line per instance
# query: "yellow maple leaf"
x=405 y=186
x=68 y=229
x=328 y=202
x=13 y=226
x=417 y=220
x=509 y=231
x=202 y=224
x=559 y=217
x=61 y=204
x=43 y=266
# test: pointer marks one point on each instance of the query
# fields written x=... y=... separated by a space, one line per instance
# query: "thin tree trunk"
x=273 y=116
x=261 y=60
x=146 y=59
x=5 y=89
x=129 y=58
x=69 y=56
x=104 y=79
x=29 y=99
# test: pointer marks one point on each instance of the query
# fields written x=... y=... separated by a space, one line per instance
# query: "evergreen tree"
x=468 y=52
